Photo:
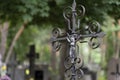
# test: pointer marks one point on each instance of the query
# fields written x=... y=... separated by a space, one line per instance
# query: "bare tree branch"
x=14 y=41
x=4 y=32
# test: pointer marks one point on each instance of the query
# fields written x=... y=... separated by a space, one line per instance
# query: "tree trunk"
x=63 y=54
x=4 y=32
x=14 y=41
x=53 y=63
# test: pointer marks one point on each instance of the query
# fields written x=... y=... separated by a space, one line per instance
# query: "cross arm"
x=100 y=35
x=94 y=41
x=58 y=39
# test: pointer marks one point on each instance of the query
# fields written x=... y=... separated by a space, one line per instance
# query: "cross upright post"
x=32 y=55
x=75 y=32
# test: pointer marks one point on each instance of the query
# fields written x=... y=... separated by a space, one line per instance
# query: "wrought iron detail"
x=92 y=30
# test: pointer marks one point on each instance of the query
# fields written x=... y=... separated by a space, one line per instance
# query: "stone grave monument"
x=113 y=69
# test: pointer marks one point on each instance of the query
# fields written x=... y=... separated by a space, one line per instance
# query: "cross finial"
x=74 y=5
x=74 y=1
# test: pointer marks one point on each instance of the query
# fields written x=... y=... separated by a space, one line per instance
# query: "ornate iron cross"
x=76 y=33
x=117 y=73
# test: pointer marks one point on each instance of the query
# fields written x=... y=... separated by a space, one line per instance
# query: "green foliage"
x=24 y=10
x=42 y=43
x=23 y=43
x=34 y=8
x=110 y=29
x=113 y=8
x=50 y=12
x=110 y=48
x=46 y=54
x=31 y=10
x=102 y=75
x=96 y=9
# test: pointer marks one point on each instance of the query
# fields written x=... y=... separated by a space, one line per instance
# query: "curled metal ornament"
x=80 y=11
x=56 y=45
x=79 y=73
x=78 y=63
x=67 y=62
x=94 y=27
x=94 y=42
x=67 y=15
x=56 y=32
x=68 y=74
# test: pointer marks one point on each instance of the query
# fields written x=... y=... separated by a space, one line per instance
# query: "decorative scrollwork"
x=80 y=11
x=67 y=62
x=77 y=75
x=56 y=32
x=94 y=27
x=94 y=42
x=78 y=63
x=67 y=13
x=68 y=74
x=56 y=46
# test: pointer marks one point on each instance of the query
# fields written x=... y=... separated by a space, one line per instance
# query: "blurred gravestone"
x=42 y=72
x=114 y=69
x=39 y=75
x=89 y=74
x=37 y=71
x=87 y=77
x=19 y=74
x=11 y=66
x=14 y=71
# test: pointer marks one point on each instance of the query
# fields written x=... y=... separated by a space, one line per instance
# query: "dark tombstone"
x=32 y=55
x=20 y=74
x=39 y=75
x=42 y=72
x=114 y=69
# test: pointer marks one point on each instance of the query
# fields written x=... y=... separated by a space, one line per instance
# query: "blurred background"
x=30 y=22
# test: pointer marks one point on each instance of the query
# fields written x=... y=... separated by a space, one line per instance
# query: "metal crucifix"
x=72 y=15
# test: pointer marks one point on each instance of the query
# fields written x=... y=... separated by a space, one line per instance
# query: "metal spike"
x=74 y=5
